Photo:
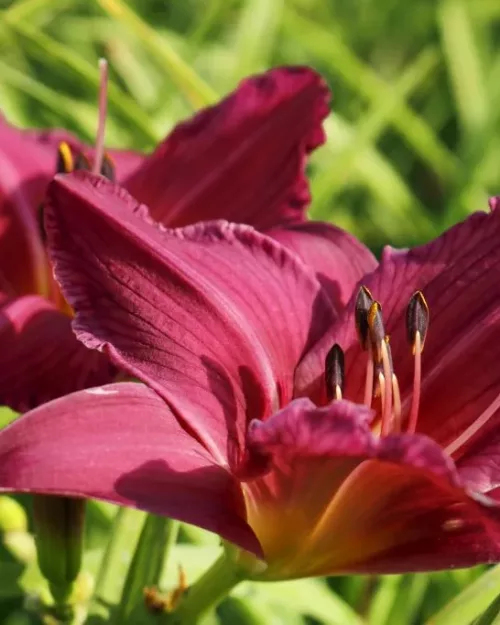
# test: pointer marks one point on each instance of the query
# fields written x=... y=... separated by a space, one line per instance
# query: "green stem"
x=124 y=534
x=158 y=536
x=206 y=592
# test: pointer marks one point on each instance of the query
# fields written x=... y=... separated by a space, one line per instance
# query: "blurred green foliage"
x=413 y=146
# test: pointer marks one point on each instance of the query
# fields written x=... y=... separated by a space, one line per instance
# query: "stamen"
x=99 y=142
x=417 y=319
x=108 y=167
x=334 y=373
x=386 y=389
x=417 y=324
x=369 y=379
x=82 y=162
x=417 y=377
x=474 y=427
x=396 y=405
x=363 y=302
x=376 y=328
x=64 y=159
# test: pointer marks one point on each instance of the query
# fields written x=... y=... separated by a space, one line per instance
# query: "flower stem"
x=124 y=534
x=157 y=537
x=206 y=592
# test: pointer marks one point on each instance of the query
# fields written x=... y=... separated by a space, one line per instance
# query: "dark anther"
x=334 y=373
x=417 y=319
x=108 y=168
x=375 y=324
x=363 y=303
x=82 y=162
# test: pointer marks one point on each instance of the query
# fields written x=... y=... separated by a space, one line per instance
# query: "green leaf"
x=53 y=53
x=335 y=177
x=184 y=76
x=255 y=36
x=257 y=610
x=492 y=614
x=471 y=602
x=157 y=537
x=116 y=559
x=363 y=79
x=464 y=65
x=310 y=597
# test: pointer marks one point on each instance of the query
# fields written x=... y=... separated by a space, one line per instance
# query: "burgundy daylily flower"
x=239 y=428
x=243 y=160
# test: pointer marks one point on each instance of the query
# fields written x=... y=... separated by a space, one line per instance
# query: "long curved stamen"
x=370 y=371
x=387 y=390
x=396 y=408
x=101 y=126
x=417 y=383
x=474 y=427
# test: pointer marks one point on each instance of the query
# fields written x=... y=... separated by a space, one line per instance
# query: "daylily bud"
x=59 y=524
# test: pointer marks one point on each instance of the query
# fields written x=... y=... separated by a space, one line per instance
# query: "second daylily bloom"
x=243 y=159
x=257 y=421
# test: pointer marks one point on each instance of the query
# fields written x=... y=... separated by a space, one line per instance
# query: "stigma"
x=381 y=383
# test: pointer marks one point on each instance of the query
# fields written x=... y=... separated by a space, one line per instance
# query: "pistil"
x=101 y=126
x=396 y=408
x=387 y=390
x=369 y=379
x=479 y=423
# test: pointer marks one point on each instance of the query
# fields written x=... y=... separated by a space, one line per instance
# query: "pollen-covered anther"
x=65 y=163
x=334 y=373
x=417 y=324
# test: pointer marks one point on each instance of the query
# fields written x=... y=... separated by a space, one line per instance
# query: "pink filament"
x=474 y=427
x=101 y=126
x=369 y=380
x=387 y=391
x=397 y=405
x=417 y=377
